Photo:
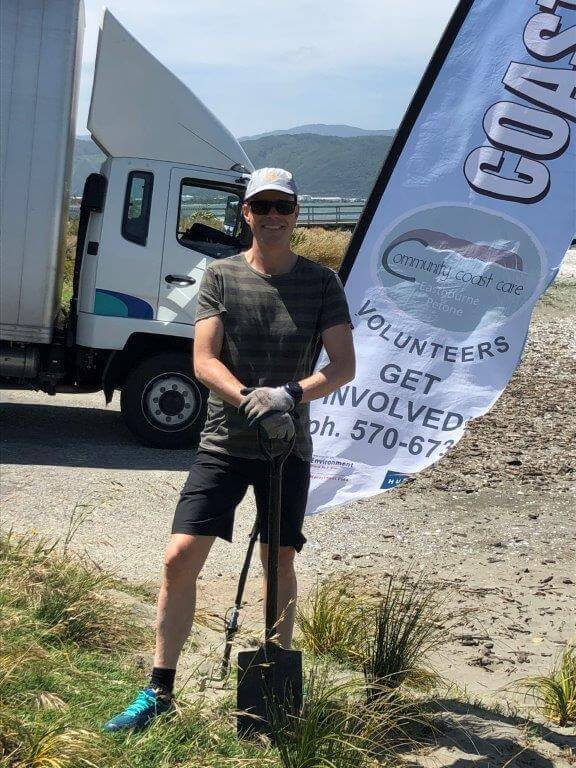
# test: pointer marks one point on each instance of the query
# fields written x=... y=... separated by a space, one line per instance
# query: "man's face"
x=272 y=228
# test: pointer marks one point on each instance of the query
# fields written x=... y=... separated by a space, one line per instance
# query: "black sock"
x=163 y=679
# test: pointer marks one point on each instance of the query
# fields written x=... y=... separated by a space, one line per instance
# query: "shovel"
x=231 y=625
x=270 y=677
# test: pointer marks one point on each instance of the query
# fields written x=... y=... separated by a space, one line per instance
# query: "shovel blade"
x=269 y=682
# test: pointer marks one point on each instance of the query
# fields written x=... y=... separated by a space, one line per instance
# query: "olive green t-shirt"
x=271 y=328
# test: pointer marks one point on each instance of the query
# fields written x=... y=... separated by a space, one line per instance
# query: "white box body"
x=40 y=70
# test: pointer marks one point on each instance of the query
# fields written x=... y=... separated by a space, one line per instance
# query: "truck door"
x=202 y=222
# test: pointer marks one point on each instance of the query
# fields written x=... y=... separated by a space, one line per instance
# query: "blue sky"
x=261 y=65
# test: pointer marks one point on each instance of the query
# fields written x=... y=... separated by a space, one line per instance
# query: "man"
x=259 y=317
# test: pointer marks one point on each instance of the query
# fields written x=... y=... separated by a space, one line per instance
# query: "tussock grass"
x=406 y=624
x=326 y=246
x=337 y=728
x=62 y=595
x=555 y=694
x=386 y=636
x=331 y=620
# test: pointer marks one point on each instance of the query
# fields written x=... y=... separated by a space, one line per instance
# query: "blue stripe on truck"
x=115 y=304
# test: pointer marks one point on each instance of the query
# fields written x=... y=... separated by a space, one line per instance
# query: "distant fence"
x=329 y=215
x=311 y=214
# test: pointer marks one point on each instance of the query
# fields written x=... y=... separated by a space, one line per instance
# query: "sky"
x=260 y=65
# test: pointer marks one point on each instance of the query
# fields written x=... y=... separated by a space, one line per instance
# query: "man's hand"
x=278 y=426
x=259 y=401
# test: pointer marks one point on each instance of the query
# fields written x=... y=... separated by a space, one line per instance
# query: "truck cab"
x=165 y=203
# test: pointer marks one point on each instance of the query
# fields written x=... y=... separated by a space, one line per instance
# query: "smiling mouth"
x=272 y=226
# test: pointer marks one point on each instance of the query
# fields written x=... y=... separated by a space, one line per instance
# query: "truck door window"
x=137 y=204
x=209 y=218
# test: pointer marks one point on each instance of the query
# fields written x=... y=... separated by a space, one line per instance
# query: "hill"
x=324 y=166
x=344 y=131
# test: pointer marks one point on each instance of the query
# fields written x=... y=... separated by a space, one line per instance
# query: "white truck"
x=165 y=203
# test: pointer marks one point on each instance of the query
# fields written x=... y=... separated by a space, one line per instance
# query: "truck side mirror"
x=94 y=193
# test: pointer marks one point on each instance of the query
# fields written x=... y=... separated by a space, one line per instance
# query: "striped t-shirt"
x=271 y=328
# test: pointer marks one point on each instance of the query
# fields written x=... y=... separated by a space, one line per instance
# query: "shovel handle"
x=275 y=451
x=275 y=463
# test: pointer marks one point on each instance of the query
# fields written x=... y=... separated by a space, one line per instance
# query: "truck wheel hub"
x=171 y=402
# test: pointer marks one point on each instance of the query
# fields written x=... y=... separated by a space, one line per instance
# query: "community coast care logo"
x=458 y=267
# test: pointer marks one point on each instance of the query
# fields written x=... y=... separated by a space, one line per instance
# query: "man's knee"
x=286 y=557
x=185 y=556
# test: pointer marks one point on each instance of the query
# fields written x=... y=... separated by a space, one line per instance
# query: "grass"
x=69 y=259
x=337 y=728
x=201 y=216
x=387 y=638
x=331 y=620
x=326 y=246
x=63 y=595
x=68 y=663
x=66 y=666
x=555 y=693
x=405 y=626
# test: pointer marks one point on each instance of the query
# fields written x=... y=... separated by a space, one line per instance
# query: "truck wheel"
x=162 y=402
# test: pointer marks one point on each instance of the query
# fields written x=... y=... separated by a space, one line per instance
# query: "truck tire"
x=162 y=403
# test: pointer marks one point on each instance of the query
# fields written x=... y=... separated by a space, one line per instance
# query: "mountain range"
x=327 y=161
x=344 y=131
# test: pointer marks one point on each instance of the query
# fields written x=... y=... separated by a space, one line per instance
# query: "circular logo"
x=459 y=268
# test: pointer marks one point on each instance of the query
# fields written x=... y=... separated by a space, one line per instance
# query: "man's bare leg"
x=184 y=559
x=287 y=591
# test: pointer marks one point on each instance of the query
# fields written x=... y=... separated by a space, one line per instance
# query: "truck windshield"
x=209 y=216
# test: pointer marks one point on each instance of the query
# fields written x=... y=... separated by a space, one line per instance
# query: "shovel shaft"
x=270 y=677
x=273 y=548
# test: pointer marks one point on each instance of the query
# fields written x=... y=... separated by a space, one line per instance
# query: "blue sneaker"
x=146 y=706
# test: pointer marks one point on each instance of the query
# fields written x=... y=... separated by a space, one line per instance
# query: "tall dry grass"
x=64 y=596
x=326 y=246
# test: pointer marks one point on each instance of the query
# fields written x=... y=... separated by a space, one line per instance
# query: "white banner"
x=467 y=225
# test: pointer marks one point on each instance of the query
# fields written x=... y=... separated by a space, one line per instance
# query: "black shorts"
x=216 y=485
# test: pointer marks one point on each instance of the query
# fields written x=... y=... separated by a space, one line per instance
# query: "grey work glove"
x=260 y=401
x=278 y=426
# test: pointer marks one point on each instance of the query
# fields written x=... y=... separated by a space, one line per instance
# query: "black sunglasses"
x=262 y=207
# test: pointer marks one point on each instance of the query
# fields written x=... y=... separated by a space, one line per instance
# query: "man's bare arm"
x=208 y=368
x=339 y=345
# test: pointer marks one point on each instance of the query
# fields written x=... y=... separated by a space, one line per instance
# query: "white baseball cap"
x=271 y=178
